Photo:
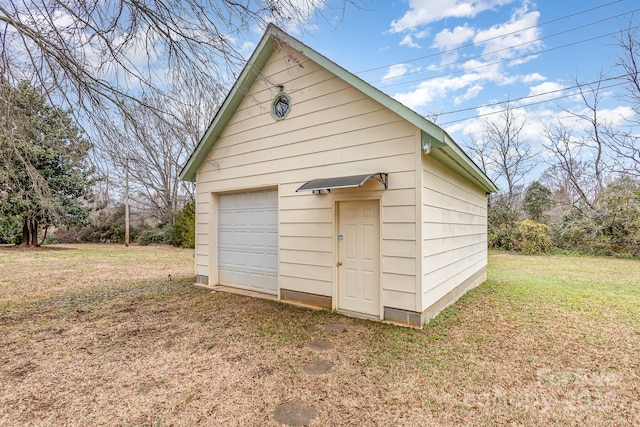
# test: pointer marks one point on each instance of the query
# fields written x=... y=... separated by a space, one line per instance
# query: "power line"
x=505 y=60
x=534 y=96
x=492 y=38
x=508 y=48
x=533 y=103
x=501 y=61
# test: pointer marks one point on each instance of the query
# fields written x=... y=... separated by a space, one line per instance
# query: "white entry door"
x=359 y=257
x=248 y=240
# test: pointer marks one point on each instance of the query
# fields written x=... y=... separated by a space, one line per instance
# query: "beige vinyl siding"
x=203 y=235
x=454 y=231
x=331 y=130
x=306 y=241
x=399 y=238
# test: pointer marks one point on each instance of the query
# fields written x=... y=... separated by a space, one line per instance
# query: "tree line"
x=587 y=199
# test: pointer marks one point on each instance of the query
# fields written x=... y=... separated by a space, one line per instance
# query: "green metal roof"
x=444 y=148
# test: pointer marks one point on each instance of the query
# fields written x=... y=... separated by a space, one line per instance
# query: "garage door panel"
x=271 y=260
x=264 y=217
x=272 y=284
x=225 y=219
x=260 y=239
x=272 y=241
x=241 y=278
x=260 y=262
x=260 y=217
x=228 y=276
x=240 y=218
x=248 y=240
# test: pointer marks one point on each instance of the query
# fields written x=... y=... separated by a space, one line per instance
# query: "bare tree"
x=626 y=142
x=95 y=54
x=116 y=66
x=479 y=149
x=629 y=61
x=154 y=148
x=580 y=152
x=626 y=149
x=504 y=153
x=568 y=170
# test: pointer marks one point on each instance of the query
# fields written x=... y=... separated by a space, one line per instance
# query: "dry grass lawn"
x=98 y=335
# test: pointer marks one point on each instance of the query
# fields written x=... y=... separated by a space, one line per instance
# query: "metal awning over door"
x=320 y=184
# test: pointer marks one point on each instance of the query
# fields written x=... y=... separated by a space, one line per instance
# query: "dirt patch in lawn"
x=139 y=349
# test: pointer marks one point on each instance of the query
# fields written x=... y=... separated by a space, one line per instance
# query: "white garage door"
x=248 y=240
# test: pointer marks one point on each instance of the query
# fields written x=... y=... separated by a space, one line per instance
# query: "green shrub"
x=611 y=227
x=50 y=240
x=503 y=236
x=502 y=224
x=183 y=232
x=532 y=237
x=618 y=216
x=528 y=237
x=10 y=229
x=576 y=233
x=105 y=226
x=160 y=236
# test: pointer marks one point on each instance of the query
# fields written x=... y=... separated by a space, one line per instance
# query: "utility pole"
x=126 y=203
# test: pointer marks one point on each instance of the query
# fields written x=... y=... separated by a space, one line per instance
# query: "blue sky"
x=441 y=56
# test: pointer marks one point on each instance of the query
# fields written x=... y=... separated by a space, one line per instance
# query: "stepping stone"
x=294 y=414
x=336 y=327
x=318 y=367
x=319 y=345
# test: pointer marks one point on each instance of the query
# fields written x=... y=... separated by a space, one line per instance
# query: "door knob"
x=339 y=263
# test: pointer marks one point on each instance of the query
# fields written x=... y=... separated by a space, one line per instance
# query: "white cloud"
x=395 y=71
x=424 y=12
x=136 y=50
x=299 y=11
x=468 y=128
x=533 y=77
x=447 y=39
x=471 y=93
x=490 y=110
x=436 y=88
x=519 y=61
x=535 y=121
x=247 y=47
x=448 y=59
x=491 y=70
x=513 y=38
x=618 y=116
x=407 y=40
x=544 y=91
x=472 y=83
x=503 y=42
